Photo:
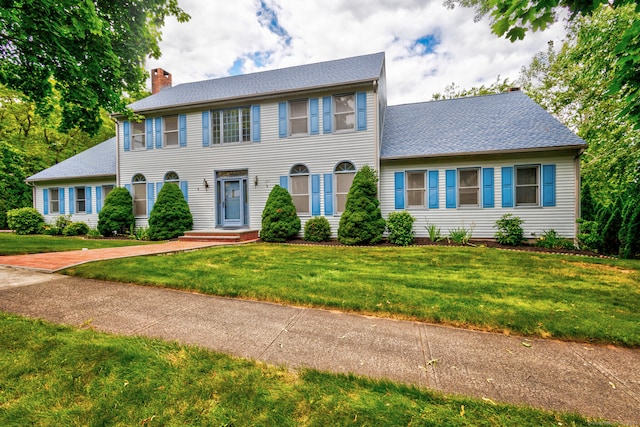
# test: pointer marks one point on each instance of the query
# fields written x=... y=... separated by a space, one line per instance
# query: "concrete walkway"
x=596 y=381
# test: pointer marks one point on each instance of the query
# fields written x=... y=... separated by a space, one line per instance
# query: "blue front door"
x=232 y=203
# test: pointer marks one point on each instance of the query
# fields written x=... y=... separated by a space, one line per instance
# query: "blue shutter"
x=399 y=190
x=61 y=200
x=45 y=196
x=128 y=187
x=126 y=136
x=313 y=113
x=327 y=117
x=149 y=136
x=433 y=190
x=206 y=134
x=184 y=186
x=328 y=194
x=150 y=197
x=72 y=203
x=282 y=119
x=182 y=130
x=361 y=106
x=487 y=188
x=315 y=195
x=98 y=199
x=158 y=132
x=87 y=200
x=158 y=188
x=548 y=185
x=255 y=123
x=284 y=182
x=450 y=183
x=507 y=187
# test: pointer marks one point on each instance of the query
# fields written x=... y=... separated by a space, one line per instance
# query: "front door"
x=232 y=203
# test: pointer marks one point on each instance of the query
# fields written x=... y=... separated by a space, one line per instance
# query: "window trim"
x=424 y=189
x=297 y=174
x=139 y=179
x=55 y=199
x=243 y=119
x=77 y=199
x=142 y=135
x=165 y=131
x=476 y=187
x=537 y=185
x=169 y=178
x=337 y=172
x=336 y=113
x=305 y=117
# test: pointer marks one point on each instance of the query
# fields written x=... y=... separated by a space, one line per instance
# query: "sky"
x=427 y=45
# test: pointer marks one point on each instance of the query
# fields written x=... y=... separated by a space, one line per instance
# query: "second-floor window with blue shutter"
x=170 y=131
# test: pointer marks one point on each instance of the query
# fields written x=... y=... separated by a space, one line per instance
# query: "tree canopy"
x=91 y=52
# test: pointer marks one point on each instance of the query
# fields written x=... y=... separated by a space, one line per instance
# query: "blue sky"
x=427 y=46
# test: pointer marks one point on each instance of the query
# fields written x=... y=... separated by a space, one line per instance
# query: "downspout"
x=117 y=152
x=376 y=133
x=578 y=208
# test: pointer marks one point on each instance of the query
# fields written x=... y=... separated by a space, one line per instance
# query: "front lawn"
x=60 y=376
x=13 y=244
x=534 y=294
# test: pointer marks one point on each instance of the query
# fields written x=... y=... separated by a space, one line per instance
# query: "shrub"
x=3 y=215
x=361 y=222
x=400 y=226
x=76 y=229
x=25 y=220
x=317 y=229
x=116 y=216
x=629 y=234
x=509 y=231
x=435 y=235
x=279 y=219
x=58 y=227
x=461 y=235
x=611 y=222
x=552 y=240
x=170 y=216
x=589 y=235
x=94 y=233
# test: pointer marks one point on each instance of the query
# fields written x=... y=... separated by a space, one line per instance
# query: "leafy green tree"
x=280 y=221
x=170 y=216
x=453 y=91
x=14 y=192
x=361 y=222
x=116 y=216
x=94 y=51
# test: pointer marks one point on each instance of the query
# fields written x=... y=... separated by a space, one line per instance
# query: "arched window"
x=345 y=171
x=172 y=177
x=139 y=195
x=299 y=177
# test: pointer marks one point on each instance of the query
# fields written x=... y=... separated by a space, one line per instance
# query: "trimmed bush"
x=116 y=216
x=400 y=226
x=170 y=216
x=280 y=221
x=361 y=222
x=552 y=240
x=25 y=220
x=317 y=229
x=509 y=231
x=76 y=229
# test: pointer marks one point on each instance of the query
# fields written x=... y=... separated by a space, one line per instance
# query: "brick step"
x=220 y=236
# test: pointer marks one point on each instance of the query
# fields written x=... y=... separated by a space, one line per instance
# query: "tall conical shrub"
x=280 y=221
x=170 y=216
x=361 y=222
x=116 y=215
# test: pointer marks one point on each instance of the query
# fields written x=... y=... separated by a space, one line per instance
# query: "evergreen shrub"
x=76 y=229
x=509 y=231
x=280 y=221
x=170 y=216
x=317 y=229
x=400 y=226
x=116 y=216
x=25 y=221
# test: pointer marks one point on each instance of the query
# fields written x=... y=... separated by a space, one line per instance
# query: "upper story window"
x=81 y=200
x=298 y=117
x=469 y=187
x=528 y=185
x=299 y=176
x=139 y=195
x=416 y=189
x=170 y=131
x=171 y=177
x=344 y=171
x=54 y=201
x=138 y=136
x=232 y=125
x=344 y=112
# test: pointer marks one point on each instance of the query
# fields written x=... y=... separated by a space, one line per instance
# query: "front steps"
x=228 y=236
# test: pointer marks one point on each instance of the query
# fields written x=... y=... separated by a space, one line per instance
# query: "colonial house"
x=453 y=163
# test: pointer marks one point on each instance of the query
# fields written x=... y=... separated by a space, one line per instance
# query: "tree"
x=116 y=216
x=280 y=221
x=92 y=52
x=361 y=222
x=170 y=216
x=452 y=90
x=14 y=192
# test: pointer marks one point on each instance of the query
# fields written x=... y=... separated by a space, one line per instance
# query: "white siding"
x=560 y=217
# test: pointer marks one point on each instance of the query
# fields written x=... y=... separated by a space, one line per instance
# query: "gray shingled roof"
x=99 y=160
x=341 y=71
x=505 y=122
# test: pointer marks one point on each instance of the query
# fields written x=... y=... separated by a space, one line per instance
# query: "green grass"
x=60 y=376
x=533 y=294
x=13 y=244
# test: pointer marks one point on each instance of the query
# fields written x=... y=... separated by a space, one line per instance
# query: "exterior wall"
x=561 y=217
x=266 y=161
x=91 y=219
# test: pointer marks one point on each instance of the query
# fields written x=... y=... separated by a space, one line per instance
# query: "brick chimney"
x=159 y=80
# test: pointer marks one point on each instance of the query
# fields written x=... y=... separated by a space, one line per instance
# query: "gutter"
x=488 y=152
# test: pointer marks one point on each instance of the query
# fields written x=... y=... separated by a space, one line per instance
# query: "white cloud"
x=220 y=33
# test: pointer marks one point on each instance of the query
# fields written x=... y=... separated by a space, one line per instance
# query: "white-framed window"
x=172 y=177
x=469 y=187
x=170 y=131
x=231 y=125
x=81 y=200
x=54 y=200
x=299 y=180
x=416 y=189
x=139 y=186
x=344 y=172
x=344 y=115
x=138 y=136
x=528 y=185
x=299 y=117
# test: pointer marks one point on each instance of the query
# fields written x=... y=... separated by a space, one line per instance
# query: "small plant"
x=280 y=221
x=94 y=233
x=317 y=229
x=552 y=240
x=509 y=231
x=25 y=220
x=461 y=235
x=76 y=229
x=435 y=235
x=400 y=226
